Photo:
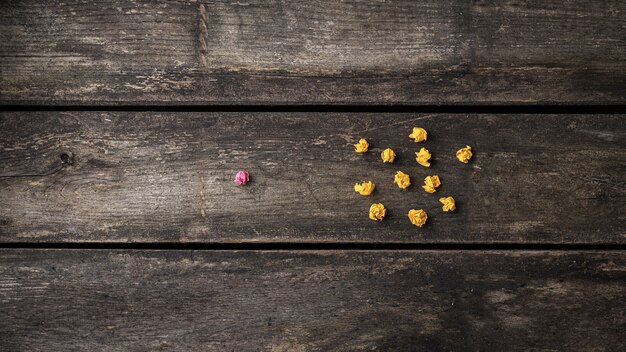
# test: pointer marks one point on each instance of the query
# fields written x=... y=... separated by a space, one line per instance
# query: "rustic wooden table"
x=123 y=123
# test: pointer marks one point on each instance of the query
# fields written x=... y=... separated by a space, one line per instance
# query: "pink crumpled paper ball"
x=242 y=178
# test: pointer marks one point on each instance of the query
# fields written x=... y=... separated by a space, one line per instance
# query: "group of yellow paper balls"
x=416 y=216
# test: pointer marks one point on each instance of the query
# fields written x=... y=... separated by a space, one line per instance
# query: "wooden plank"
x=167 y=176
x=60 y=300
x=325 y=51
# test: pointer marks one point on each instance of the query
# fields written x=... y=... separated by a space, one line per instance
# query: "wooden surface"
x=121 y=228
x=148 y=176
x=354 y=52
x=311 y=301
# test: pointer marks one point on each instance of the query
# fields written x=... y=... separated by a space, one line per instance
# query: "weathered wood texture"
x=60 y=300
x=149 y=176
x=416 y=52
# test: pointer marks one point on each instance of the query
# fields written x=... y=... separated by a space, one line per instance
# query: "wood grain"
x=325 y=51
x=168 y=177
x=59 y=300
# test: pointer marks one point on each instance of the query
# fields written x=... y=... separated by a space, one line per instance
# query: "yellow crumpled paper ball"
x=365 y=188
x=402 y=180
x=448 y=204
x=388 y=155
x=377 y=211
x=422 y=157
x=419 y=134
x=418 y=217
x=464 y=154
x=362 y=146
x=430 y=183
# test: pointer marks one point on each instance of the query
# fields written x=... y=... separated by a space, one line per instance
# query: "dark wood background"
x=122 y=124
x=320 y=51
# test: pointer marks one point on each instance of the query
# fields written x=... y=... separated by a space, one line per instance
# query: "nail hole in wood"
x=67 y=158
